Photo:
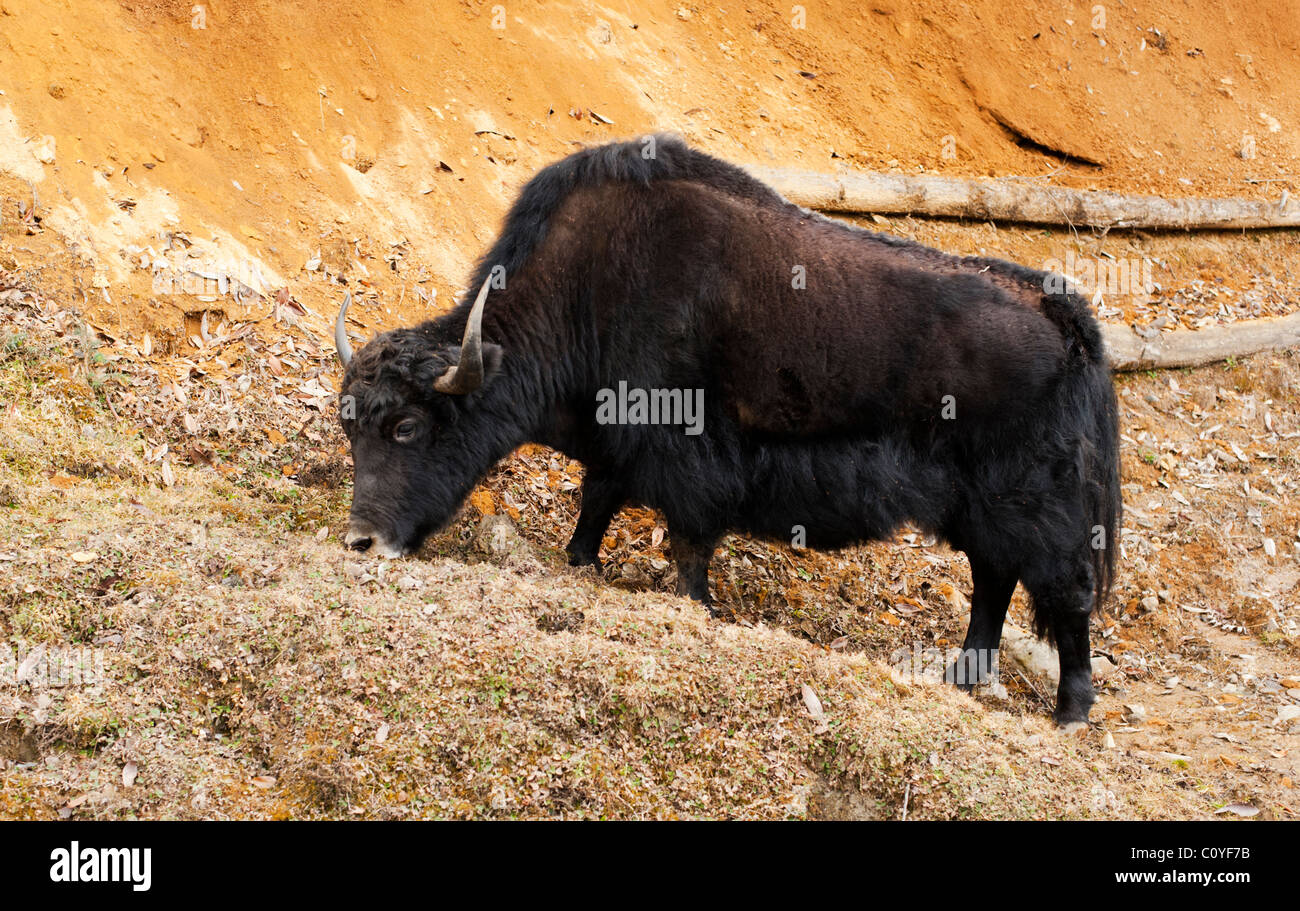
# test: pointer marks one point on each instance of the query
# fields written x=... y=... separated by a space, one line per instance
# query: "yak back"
x=688 y=272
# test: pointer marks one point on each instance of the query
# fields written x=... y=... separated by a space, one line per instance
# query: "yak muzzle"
x=363 y=538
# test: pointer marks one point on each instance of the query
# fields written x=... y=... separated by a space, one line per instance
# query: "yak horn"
x=341 y=333
x=467 y=375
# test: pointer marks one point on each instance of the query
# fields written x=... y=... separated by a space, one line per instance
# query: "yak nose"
x=363 y=538
x=358 y=540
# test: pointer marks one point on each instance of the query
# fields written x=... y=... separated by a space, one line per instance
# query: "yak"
x=851 y=381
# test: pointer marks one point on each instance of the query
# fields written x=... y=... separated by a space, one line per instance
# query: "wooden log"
x=1014 y=200
x=1195 y=347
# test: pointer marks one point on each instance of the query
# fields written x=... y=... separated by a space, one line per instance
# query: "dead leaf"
x=813 y=704
x=1244 y=810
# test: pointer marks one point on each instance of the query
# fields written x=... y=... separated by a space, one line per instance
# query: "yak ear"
x=492 y=355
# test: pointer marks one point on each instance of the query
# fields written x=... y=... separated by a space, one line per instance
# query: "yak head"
x=419 y=413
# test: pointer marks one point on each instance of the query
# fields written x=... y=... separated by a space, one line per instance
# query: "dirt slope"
x=246 y=136
x=182 y=522
x=238 y=663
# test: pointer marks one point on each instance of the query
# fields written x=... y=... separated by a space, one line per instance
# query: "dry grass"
x=253 y=670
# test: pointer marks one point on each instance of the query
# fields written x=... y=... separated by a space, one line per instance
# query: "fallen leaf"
x=813 y=704
x=1239 y=809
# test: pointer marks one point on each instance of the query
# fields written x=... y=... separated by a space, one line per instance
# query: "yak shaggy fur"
x=851 y=381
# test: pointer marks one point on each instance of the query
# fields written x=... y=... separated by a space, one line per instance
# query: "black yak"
x=850 y=381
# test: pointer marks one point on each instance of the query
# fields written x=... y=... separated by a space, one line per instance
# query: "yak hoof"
x=584 y=559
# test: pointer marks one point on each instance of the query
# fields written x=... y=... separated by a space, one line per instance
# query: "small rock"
x=43 y=150
x=357 y=572
x=1286 y=715
x=498 y=536
x=1030 y=653
x=633 y=575
x=1102 y=668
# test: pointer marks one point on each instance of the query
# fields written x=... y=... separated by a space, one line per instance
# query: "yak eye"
x=404 y=431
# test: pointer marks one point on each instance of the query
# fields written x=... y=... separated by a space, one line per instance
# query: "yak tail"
x=1090 y=410
x=1101 y=475
x=1094 y=405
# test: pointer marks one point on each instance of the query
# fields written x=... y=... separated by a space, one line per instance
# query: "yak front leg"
x=601 y=498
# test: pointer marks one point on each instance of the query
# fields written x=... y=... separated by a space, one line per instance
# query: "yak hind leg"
x=993 y=587
x=1063 y=603
x=692 y=554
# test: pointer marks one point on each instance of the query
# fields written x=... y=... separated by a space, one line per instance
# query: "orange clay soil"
x=244 y=138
